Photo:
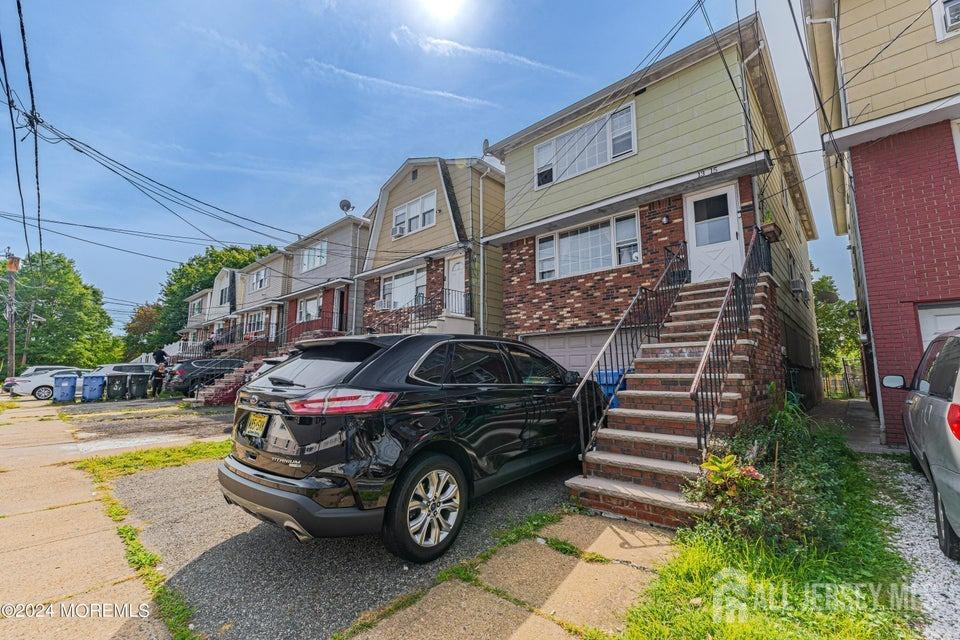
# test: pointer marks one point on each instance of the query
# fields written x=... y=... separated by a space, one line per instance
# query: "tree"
x=194 y=275
x=140 y=329
x=70 y=325
x=837 y=327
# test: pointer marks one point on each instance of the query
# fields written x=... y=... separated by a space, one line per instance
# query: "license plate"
x=256 y=425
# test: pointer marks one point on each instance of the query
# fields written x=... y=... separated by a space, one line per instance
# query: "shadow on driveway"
x=249 y=579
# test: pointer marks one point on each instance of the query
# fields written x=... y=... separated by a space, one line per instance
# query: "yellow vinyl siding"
x=440 y=234
x=493 y=259
x=686 y=122
x=915 y=70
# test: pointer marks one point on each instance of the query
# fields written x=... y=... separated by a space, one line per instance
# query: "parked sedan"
x=40 y=385
x=29 y=371
x=931 y=415
x=396 y=434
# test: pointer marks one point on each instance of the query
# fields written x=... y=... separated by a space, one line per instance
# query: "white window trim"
x=391 y=276
x=249 y=321
x=610 y=159
x=406 y=221
x=196 y=307
x=253 y=279
x=613 y=247
x=940 y=22
x=314 y=247
x=300 y=302
x=955 y=126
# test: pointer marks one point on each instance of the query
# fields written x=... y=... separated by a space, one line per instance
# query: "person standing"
x=157 y=379
x=160 y=356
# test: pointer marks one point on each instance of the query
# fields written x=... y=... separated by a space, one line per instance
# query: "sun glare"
x=442 y=10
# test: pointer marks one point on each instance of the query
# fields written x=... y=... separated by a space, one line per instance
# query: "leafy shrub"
x=778 y=481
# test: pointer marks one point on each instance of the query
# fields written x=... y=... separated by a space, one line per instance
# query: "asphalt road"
x=250 y=580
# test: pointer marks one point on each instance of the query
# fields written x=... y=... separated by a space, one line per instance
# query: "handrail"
x=642 y=319
x=733 y=318
x=419 y=312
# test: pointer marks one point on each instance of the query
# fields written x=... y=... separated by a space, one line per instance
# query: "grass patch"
x=733 y=578
x=370 y=619
x=567 y=549
x=8 y=404
x=106 y=468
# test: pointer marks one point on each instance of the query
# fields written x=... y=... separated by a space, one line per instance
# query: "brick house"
x=892 y=145
x=425 y=269
x=668 y=157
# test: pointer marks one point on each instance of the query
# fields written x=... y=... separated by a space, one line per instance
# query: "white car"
x=40 y=385
x=29 y=371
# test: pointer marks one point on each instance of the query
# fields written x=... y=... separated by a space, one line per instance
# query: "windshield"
x=316 y=367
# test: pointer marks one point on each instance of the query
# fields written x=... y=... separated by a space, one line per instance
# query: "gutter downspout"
x=483 y=270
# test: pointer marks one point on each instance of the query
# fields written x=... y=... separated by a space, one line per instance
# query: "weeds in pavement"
x=106 y=468
x=370 y=619
x=8 y=404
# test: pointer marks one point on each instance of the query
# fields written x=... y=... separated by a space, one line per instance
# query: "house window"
x=196 y=307
x=258 y=280
x=589 y=146
x=413 y=175
x=946 y=18
x=308 y=309
x=224 y=295
x=313 y=257
x=415 y=215
x=255 y=322
x=404 y=289
x=601 y=245
x=711 y=220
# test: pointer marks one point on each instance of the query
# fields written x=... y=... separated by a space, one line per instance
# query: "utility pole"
x=13 y=265
x=26 y=337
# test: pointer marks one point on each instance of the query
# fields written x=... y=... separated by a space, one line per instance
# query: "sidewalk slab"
x=638 y=544
x=39 y=529
x=33 y=488
x=583 y=593
x=455 y=609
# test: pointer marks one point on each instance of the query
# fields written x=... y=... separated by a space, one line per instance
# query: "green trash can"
x=138 y=385
x=116 y=386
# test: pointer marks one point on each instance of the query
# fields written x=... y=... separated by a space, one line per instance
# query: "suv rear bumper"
x=294 y=512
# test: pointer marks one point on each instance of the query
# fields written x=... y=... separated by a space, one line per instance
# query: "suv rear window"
x=317 y=366
x=476 y=363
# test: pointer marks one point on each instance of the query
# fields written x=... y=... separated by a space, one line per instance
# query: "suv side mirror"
x=571 y=377
x=894 y=382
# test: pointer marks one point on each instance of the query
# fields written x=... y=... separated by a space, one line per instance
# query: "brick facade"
x=436 y=273
x=908 y=206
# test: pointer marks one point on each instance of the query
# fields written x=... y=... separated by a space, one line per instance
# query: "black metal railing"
x=419 y=313
x=733 y=319
x=640 y=323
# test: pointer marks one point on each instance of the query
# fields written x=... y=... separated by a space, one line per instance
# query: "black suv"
x=395 y=434
x=188 y=376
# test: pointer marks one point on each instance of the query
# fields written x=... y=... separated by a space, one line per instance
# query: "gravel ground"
x=203 y=423
x=936 y=578
x=251 y=580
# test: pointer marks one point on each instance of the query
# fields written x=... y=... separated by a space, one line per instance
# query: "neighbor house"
x=425 y=269
x=322 y=298
x=197 y=327
x=645 y=196
x=262 y=285
x=889 y=76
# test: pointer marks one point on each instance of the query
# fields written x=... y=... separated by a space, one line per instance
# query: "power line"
x=16 y=152
x=33 y=120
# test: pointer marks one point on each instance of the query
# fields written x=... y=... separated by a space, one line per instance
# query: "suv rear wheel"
x=426 y=509
x=946 y=536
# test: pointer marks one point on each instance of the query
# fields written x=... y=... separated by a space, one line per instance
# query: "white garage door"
x=575 y=350
x=937 y=319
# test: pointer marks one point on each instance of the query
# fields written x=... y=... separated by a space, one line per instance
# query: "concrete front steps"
x=647 y=451
x=224 y=390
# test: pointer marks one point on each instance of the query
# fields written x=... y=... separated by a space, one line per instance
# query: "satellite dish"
x=345 y=206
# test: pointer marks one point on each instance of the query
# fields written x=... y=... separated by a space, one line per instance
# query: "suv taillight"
x=342 y=400
x=953 y=419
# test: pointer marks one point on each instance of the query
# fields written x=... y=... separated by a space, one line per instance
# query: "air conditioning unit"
x=398 y=231
x=382 y=305
x=798 y=286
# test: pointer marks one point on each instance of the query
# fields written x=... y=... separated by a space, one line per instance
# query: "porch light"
x=665 y=219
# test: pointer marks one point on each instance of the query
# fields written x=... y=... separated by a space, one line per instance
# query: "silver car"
x=931 y=416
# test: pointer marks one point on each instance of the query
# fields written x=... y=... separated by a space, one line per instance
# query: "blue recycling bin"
x=93 y=387
x=64 y=388
x=607 y=379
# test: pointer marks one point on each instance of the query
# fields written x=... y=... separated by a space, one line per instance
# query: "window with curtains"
x=601 y=245
x=589 y=146
x=415 y=215
x=196 y=307
x=258 y=279
x=309 y=308
x=255 y=322
x=313 y=256
x=404 y=289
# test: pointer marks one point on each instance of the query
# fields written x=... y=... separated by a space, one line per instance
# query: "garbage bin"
x=93 y=387
x=138 y=385
x=64 y=388
x=116 y=386
x=607 y=379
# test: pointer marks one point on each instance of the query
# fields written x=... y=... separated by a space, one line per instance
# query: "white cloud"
x=261 y=61
x=371 y=81
x=448 y=48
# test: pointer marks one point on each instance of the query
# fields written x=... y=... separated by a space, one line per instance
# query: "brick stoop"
x=224 y=390
x=647 y=451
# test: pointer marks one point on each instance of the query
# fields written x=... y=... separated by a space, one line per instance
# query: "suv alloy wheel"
x=426 y=510
x=43 y=393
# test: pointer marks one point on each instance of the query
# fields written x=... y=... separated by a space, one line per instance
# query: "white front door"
x=454 y=301
x=936 y=319
x=714 y=237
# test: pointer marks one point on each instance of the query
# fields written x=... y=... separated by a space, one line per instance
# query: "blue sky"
x=279 y=110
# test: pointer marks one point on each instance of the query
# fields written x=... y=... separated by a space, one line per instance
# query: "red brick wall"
x=908 y=204
x=371 y=292
x=589 y=300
